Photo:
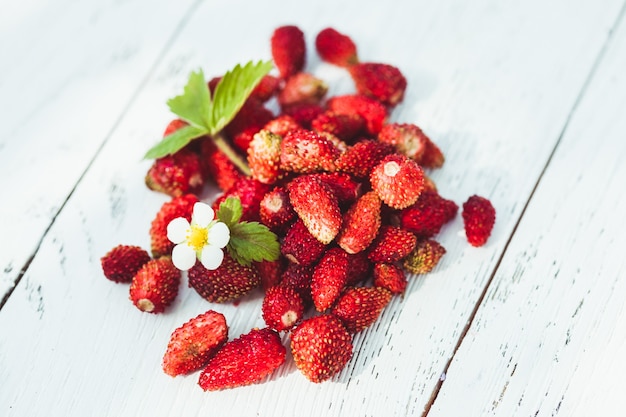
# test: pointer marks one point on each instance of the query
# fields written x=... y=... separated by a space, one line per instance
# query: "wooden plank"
x=492 y=84
x=67 y=73
x=550 y=335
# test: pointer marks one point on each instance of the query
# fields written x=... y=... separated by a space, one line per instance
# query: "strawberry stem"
x=223 y=145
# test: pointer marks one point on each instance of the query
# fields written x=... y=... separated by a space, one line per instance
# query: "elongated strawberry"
x=288 y=50
x=343 y=186
x=372 y=110
x=336 y=48
x=121 y=263
x=244 y=361
x=391 y=244
x=317 y=206
x=427 y=216
x=345 y=126
x=282 y=308
x=302 y=87
x=230 y=281
x=300 y=247
x=359 y=307
x=479 y=216
x=304 y=151
x=390 y=277
x=424 y=257
x=155 y=285
x=321 y=347
x=382 y=82
x=397 y=180
x=330 y=277
x=177 y=207
x=176 y=174
x=360 y=159
x=360 y=224
x=266 y=89
x=264 y=157
x=194 y=343
x=410 y=140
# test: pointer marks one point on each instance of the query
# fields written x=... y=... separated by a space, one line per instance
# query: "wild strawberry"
x=264 y=157
x=176 y=174
x=373 y=111
x=359 y=307
x=155 y=285
x=427 y=216
x=121 y=263
x=244 y=361
x=173 y=126
x=360 y=224
x=281 y=125
x=361 y=158
x=391 y=245
x=250 y=192
x=382 y=82
x=300 y=247
x=329 y=278
x=243 y=139
x=391 y=277
x=230 y=281
x=218 y=166
x=321 y=347
x=288 y=50
x=178 y=207
x=270 y=272
x=346 y=189
x=397 y=180
x=424 y=257
x=302 y=87
x=282 y=308
x=345 y=126
x=359 y=268
x=479 y=216
x=266 y=88
x=304 y=151
x=411 y=141
x=253 y=114
x=298 y=278
x=336 y=48
x=303 y=113
x=317 y=206
x=194 y=343
x=276 y=211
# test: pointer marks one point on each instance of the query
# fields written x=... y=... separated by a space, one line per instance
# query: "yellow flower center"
x=197 y=237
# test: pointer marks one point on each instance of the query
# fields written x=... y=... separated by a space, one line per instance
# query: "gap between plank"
x=178 y=29
x=596 y=64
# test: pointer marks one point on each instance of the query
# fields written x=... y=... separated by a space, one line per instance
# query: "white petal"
x=177 y=230
x=183 y=257
x=202 y=214
x=219 y=235
x=211 y=257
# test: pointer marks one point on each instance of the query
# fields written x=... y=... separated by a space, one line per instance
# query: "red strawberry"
x=242 y=139
x=288 y=50
x=282 y=308
x=424 y=257
x=270 y=272
x=176 y=174
x=360 y=224
x=300 y=247
x=429 y=213
x=281 y=125
x=173 y=126
x=276 y=211
x=178 y=207
x=194 y=343
x=121 y=263
x=264 y=157
x=329 y=278
x=317 y=206
x=321 y=347
x=382 y=82
x=479 y=216
x=303 y=113
x=302 y=87
x=155 y=285
x=397 y=180
x=361 y=158
x=336 y=48
x=266 y=89
x=299 y=277
x=244 y=361
x=346 y=189
x=304 y=151
x=230 y=281
x=391 y=245
x=373 y=111
x=253 y=114
x=250 y=192
x=411 y=141
x=359 y=268
x=218 y=166
x=391 y=277
x=345 y=126
x=359 y=307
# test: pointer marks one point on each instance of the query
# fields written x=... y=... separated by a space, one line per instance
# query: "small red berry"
x=122 y=262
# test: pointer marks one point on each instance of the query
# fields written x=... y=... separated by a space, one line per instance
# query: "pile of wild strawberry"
x=345 y=191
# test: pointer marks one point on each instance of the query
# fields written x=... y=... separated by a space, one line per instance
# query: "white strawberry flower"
x=204 y=238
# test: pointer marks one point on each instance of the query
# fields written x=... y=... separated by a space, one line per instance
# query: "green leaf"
x=194 y=105
x=233 y=90
x=230 y=211
x=175 y=141
x=252 y=241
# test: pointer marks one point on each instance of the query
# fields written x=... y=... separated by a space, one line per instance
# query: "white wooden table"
x=526 y=99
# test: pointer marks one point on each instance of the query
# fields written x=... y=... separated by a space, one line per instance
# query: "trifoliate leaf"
x=233 y=90
x=194 y=105
x=175 y=141
x=230 y=211
x=252 y=241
